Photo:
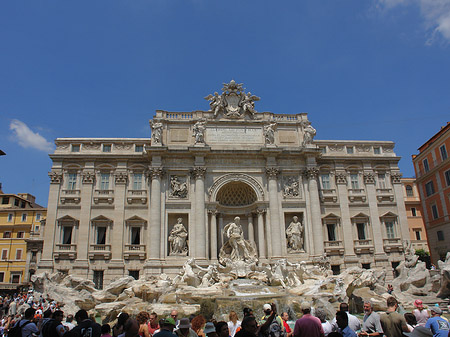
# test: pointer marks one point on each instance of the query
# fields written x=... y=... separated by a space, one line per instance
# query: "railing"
x=172 y=115
x=356 y=190
x=365 y=242
x=104 y=192
x=134 y=248
x=336 y=243
x=384 y=190
x=100 y=247
x=393 y=241
x=137 y=192
x=66 y=247
x=71 y=192
x=285 y=117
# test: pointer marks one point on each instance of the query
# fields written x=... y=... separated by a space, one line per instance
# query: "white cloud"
x=436 y=15
x=27 y=138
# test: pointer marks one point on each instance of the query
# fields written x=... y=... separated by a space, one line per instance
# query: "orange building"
x=417 y=232
x=432 y=167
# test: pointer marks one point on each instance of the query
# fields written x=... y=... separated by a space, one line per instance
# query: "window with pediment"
x=236 y=194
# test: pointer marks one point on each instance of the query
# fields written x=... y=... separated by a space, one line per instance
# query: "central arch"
x=246 y=186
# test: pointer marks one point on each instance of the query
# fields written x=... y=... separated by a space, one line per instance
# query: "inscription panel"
x=232 y=135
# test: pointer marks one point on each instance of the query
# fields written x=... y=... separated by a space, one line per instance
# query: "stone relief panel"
x=178 y=187
x=291 y=187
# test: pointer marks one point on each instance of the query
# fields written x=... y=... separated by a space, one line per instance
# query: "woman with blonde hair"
x=142 y=319
x=234 y=323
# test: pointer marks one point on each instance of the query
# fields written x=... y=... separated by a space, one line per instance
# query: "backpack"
x=16 y=330
x=274 y=330
x=49 y=328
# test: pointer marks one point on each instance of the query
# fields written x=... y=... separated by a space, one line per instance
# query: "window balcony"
x=328 y=195
x=385 y=194
x=334 y=247
x=364 y=246
x=99 y=251
x=104 y=196
x=65 y=251
x=134 y=252
x=357 y=194
x=137 y=196
x=70 y=196
x=392 y=245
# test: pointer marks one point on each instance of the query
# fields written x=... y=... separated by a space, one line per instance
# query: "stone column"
x=341 y=185
x=155 y=174
x=316 y=222
x=51 y=228
x=117 y=235
x=199 y=176
x=274 y=231
x=213 y=239
x=251 y=231
x=402 y=217
x=221 y=228
x=261 y=242
x=369 y=180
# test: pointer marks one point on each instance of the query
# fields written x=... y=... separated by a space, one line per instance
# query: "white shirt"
x=232 y=327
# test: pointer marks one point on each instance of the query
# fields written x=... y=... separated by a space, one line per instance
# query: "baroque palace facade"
x=144 y=206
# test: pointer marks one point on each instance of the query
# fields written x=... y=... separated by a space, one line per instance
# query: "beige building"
x=418 y=234
x=144 y=206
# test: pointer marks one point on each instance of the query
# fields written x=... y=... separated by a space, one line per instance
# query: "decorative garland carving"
x=396 y=177
x=121 y=177
x=363 y=148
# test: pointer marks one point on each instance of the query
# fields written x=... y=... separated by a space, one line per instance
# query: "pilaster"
x=261 y=241
x=341 y=184
x=155 y=174
x=198 y=174
x=275 y=232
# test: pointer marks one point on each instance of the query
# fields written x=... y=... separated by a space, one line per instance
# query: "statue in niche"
x=156 y=132
x=309 y=133
x=269 y=133
x=178 y=189
x=199 y=132
x=177 y=239
x=291 y=188
x=294 y=235
x=237 y=248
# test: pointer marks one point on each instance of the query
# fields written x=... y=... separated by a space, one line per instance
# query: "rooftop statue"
x=233 y=102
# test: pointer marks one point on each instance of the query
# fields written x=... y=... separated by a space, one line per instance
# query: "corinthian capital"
x=55 y=177
x=369 y=178
x=272 y=172
x=341 y=178
x=155 y=173
x=198 y=172
x=396 y=177
x=311 y=172
x=121 y=177
x=88 y=177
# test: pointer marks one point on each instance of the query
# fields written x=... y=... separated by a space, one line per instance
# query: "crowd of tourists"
x=25 y=316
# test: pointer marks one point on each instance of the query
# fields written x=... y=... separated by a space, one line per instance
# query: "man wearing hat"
x=308 y=325
x=267 y=308
x=439 y=326
x=184 y=329
x=166 y=328
x=210 y=329
x=420 y=313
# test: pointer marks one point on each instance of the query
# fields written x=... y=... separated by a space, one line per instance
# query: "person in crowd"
x=233 y=323
x=326 y=326
x=308 y=325
x=68 y=323
x=105 y=330
x=174 y=315
x=131 y=328
x=197 y=324
x=118 y=328
x=342 y=323
x=392 y=322
x=29 y=328
x=85 y=326
x=371 y=321
x=54 y=327
x=353 y=321
x=142 y=319
x=222 y=329
x=210 y=330
x=439 y=326
x=421 y=313
x=287 y=328
x=248 y=312
x=249 y=327
x=184 y=329
x=153 y=323
x=267 y=309
x=166 y=327
x=411 y=321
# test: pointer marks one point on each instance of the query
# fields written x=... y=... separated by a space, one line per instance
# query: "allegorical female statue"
x=294 y=235
x=177 y=239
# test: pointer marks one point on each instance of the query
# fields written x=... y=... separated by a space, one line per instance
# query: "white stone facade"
x=114 y=202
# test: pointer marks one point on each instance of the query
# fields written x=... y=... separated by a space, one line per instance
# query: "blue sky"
x=361 y=69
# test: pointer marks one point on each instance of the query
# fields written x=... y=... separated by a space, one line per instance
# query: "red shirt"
x=287 y=327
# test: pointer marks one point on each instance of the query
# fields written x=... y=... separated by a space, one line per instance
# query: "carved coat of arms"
x=233 y=102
